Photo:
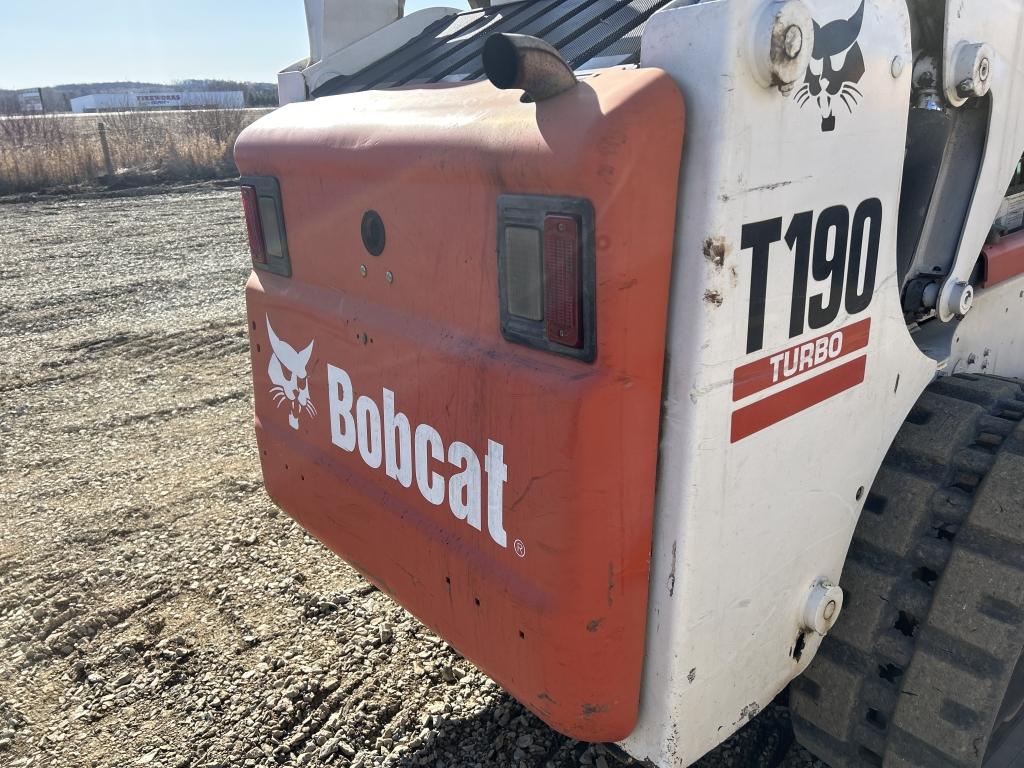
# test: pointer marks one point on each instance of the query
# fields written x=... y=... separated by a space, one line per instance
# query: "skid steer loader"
x=660 y=355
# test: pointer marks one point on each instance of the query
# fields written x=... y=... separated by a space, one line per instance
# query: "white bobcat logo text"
x=451 y=474
x=386 y=439
x=289 y=378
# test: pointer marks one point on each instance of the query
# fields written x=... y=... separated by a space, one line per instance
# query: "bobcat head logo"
x=836 y=66
x=289 y=378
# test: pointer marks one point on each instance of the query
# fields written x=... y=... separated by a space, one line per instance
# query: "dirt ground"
x=155 y=608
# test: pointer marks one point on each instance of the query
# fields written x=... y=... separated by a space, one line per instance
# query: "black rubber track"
x=933 y=623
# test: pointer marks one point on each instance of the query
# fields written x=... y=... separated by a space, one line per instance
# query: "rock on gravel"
x=155 y=608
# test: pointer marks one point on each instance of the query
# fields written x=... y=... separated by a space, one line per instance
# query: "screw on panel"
x=362 y=270
x=390 y=276
x=896 y=68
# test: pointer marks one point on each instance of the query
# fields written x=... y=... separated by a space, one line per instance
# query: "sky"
x=52 y=42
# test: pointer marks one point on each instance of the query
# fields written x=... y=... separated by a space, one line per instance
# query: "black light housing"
x=264 y=221
x=547 y=277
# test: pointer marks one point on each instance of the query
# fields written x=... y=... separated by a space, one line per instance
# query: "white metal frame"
x=743 y=531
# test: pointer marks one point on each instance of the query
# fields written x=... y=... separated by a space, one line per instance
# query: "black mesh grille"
x=587 y=32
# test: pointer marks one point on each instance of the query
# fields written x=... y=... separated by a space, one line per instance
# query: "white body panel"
x=336 y=24
x=990 y=339
x=744 y=529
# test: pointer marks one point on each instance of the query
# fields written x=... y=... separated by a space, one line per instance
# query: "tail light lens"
x=562 y=286
x=264 y=221
x=547 y=274
x=250 y=202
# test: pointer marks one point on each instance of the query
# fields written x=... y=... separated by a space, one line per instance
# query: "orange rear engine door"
x=501 y=492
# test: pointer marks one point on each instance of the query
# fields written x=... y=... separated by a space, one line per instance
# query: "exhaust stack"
x=526 y=62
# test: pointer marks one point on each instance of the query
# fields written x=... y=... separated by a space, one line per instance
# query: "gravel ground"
x=155 y=608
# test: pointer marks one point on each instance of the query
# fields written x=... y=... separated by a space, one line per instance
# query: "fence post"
x=106 y=150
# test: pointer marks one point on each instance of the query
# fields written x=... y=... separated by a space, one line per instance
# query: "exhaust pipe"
x=527 y=62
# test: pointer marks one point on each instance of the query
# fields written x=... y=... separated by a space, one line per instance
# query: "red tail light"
x=562 y=287
x=264 y=220
x=547 y=274
x=251 y=204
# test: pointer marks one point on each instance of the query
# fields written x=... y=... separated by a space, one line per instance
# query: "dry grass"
x=60 y=151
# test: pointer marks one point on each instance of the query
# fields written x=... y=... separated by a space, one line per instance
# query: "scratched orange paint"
x=556 y=613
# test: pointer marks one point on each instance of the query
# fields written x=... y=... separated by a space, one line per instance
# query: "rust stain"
x=713 y=297
x=672 y=573
x=589 y=710
x=692 y=675
x=714 y=251
x=593 y=625
x=611 y=583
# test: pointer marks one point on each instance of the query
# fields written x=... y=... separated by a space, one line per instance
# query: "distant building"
x=31 y=100
x=116 y=102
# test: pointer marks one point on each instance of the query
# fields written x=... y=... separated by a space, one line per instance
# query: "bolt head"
x=896 y=68
x=984 y=69
x=830 y=610
x=823 y=607
x=966 y=88
x=959 y=299
x=966 y=300
x=794 y=41
x=390 y=276
x=362 y=270
x=970 y=72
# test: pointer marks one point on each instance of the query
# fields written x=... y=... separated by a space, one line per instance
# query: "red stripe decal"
x=774 y=408
x=806 y=356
